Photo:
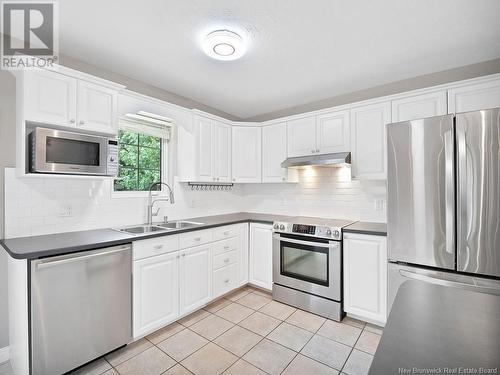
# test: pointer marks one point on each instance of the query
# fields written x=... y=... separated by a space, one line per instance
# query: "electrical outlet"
x=378 y=204
x=65 y=210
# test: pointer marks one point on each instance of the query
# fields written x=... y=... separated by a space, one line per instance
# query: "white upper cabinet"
x=222 y=157
x=301 y=136
x=322 y=134
x=247 y=154
x=369 y=144
x=96 y=107
x=274 y=153
x=474 y=97
x=50 y=98
x=213 y=160
x=57 y=99
x=419 y=106
x=365 y=277
x=333 y=132
x=205 y=149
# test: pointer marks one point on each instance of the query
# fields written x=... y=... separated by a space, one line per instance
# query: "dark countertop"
x=433 y=326
x=365 y=227
x=71 y=242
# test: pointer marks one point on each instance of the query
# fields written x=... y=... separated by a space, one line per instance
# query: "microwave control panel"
x=112 y=160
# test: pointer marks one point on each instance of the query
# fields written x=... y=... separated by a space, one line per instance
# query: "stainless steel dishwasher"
x=81 y=308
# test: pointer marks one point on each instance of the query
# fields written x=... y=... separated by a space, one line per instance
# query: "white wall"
x=321 y=192
x=34 y=205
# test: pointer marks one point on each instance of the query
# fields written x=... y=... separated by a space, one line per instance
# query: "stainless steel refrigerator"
x=443 y=216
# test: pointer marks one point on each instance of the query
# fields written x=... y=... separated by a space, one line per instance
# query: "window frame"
x=164 y=169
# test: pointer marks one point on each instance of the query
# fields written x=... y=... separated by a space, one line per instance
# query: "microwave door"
x=67 y=152
x=421 y=186
x=478 y=200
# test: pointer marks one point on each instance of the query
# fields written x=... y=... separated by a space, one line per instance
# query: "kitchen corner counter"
x=365 y=227
x=439 y=327
x=72 y=242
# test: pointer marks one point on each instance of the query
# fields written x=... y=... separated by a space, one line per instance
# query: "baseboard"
x=4 y=354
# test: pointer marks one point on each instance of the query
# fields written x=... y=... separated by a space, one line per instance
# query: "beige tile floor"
x=245 y=333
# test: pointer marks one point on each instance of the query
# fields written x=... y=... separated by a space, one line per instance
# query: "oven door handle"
x=309 y=243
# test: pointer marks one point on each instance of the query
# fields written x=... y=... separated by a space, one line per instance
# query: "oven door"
x=56 y=151
x=310 y=265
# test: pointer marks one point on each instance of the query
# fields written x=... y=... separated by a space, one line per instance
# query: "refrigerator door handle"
x=462 y=196
x=449 y=192
x=444 y=282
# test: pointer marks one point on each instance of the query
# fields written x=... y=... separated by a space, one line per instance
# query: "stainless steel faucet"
x=152 y=202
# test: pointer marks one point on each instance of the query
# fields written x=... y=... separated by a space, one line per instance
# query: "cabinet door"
x=301 y=137
x=274 y=153
x=96 y=108
x=333 y=132
x=368 y=141
x=365 y=277
x=261 y=256
x=243 y=251
x=195 y=278
x=205 y=149
x=247 y=154
x=474 y=97
x=222 y=150
x=156 y=292
x=419 y=106
x=50 y=98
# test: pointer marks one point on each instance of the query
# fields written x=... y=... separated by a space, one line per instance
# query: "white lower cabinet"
x=195 y=278
x=365 y=277
x=261 y=255
x=244 y=253
x=156 y=292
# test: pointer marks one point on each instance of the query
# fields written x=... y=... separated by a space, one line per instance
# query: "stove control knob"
x=282 y=227
x=276 y=226
x=336 y=234
x=328 y=232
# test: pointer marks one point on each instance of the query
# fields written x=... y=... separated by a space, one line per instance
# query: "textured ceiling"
x=299 y=51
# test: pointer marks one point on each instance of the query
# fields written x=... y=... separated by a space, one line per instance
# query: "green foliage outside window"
x=140 y=161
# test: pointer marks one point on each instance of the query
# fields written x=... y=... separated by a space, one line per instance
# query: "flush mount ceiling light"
x=224 y=45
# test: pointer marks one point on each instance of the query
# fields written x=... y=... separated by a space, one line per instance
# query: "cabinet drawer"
x=155 y=246
x=222 y=233
x=199 y=237
x=225 y=280
x=225 y=259
x=225 y=246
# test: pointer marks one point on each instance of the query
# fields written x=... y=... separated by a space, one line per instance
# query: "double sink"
x=171 y=225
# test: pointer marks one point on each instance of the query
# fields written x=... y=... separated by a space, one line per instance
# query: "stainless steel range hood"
x=325 y=160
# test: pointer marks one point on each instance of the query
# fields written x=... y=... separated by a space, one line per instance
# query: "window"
x=140 y=158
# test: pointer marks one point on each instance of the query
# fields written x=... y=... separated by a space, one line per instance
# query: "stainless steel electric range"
x=307 y=264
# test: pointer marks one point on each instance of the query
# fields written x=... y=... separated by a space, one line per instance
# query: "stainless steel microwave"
x=57 y=151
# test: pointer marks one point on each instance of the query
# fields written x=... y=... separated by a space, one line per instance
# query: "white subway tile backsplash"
x=33 y=205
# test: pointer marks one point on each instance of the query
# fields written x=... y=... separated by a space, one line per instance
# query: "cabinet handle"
x=178 y=256
x=197 y=238
x=234 y=179
x=218 y=178
x=226 y=233
x=183 y=254
x=226 y=247
x=226 y=281
x=158 y=247
x=283 y=178
x=312 y=151
x=213 y=178
x=317 y=150
x=226 y=260
x=82 y=122
x=72 y=121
